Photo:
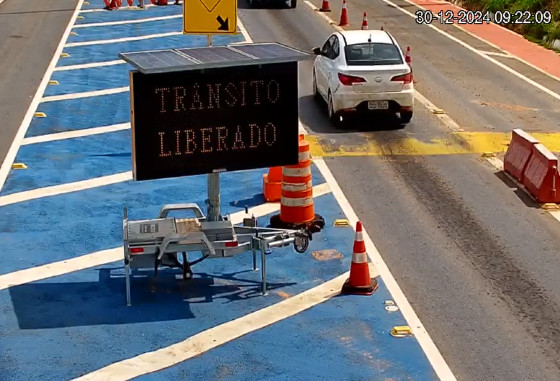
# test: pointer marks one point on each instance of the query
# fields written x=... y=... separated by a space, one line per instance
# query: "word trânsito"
x=217 y=95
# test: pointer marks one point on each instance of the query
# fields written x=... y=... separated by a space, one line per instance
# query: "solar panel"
x=212 y=57
x=157 y=61
x=270 y=50
x=214 y=54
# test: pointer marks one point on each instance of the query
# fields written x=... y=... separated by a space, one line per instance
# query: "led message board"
x=214 y=120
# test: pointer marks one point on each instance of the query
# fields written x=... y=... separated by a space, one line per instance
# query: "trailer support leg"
x=263 y=265
x=127 y=281
x=255 y=260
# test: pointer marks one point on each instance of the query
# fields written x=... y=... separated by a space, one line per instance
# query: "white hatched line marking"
x=88 y=94
x=64 y=188
x=124 y=39
x=89 y=65
x=12 y=152
x=505 y=55
x=104 y=257
x=137 y=21
x=75 y=134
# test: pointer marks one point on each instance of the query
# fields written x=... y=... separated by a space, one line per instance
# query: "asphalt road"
x=30 y=32
x=476 y=259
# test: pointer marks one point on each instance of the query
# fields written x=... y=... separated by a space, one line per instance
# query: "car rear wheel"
x=293 y=3
x=405 y=116
x=334 y=116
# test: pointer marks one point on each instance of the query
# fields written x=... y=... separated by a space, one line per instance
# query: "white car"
x=363 y=70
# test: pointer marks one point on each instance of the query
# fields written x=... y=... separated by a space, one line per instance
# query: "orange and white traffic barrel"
x=296 y=203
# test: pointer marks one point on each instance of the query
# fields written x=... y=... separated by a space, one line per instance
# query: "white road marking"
x=10 y=156
x=432 y=352
x=444 y=118
x=75 y=134
x=50 y=270
x=505 y=55
x=430 y=349
x=509 y=55
x=64 y=188
x=477 y=52
x=124 y=39
x=137 y=21
x=211 y=338
x=135 y=8
x=112 y=255
x=90 y=65
x=324 y=16
x=87 y=94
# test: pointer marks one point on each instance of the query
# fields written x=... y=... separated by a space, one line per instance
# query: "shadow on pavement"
x=165 y=298
x=313 y=114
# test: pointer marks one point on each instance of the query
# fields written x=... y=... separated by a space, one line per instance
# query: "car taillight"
x=348 y=80
x=136 y=250
x=232 y=244
x=406 y=78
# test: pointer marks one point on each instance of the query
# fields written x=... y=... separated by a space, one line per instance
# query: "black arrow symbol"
x=224 y=25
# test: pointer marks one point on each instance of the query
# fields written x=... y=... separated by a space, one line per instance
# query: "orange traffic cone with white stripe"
x=407 y=57
x=344 y=15
x=272 y=184
x=297 y=210
x=113 y=5
x=359 y=282
x=325 y=6
x=364 y=22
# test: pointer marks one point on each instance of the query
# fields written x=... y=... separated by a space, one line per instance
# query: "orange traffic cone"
x=272 y=184
x=325 y=6
x=360 y=282
x=113 y=5
x=364 y=22
x=381 y=27
x=343 y=15
x=407 y=57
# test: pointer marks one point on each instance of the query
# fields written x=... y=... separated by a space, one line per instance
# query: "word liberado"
x=216 y=139
x=218 y=95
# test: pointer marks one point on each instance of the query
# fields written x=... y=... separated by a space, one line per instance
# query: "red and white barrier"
x=541 y=177
x=519 y=153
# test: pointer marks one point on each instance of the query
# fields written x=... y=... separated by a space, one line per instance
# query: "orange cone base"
x=360 y=290
x=314 y=226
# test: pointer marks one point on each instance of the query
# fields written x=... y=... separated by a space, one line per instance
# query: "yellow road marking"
x=456 y=143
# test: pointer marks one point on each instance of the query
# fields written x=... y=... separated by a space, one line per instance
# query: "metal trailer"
x=157 y=242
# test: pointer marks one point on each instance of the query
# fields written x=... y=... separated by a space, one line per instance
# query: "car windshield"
x=372 y=54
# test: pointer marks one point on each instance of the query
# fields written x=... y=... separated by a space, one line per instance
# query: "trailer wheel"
x=301 y=244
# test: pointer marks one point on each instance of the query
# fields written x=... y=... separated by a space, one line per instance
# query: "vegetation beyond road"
x=542 y=33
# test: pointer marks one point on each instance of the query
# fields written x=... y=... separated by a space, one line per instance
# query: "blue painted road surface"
x=69 y=325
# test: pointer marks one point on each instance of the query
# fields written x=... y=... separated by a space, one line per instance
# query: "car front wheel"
x=316 y=94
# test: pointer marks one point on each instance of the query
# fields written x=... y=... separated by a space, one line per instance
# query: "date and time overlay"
x=463 y=17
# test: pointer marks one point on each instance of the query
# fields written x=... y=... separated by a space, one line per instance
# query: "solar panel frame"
x=208 y=57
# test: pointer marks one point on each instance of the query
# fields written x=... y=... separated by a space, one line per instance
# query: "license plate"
x=378 y=105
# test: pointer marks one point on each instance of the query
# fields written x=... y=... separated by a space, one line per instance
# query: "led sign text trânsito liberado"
x=212 y=97
x=195 y=122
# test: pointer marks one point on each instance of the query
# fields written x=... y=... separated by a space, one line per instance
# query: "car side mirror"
x=317 y=51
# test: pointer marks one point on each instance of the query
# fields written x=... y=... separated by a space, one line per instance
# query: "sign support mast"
x=213 y=201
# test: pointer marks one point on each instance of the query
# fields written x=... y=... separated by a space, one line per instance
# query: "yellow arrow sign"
x=210 y=17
